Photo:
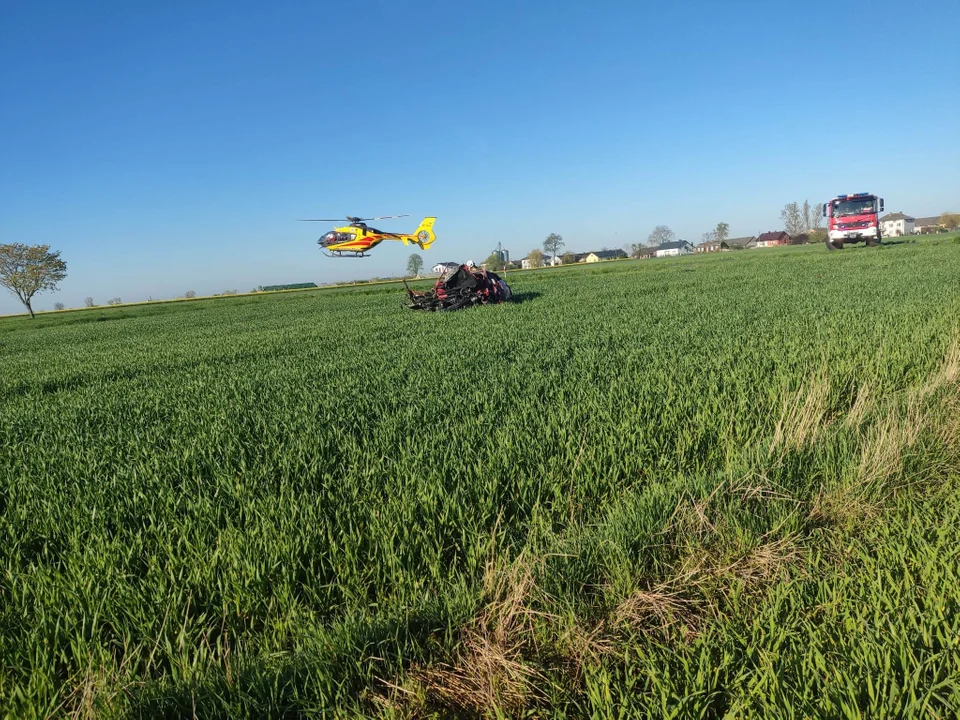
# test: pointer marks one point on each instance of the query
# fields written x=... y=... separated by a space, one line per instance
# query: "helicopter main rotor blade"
x=382 y=217
x=350 y=218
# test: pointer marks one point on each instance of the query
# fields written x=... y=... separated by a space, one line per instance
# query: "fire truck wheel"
x=834 y=246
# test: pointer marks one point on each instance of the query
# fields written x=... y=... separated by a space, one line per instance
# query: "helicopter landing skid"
x=339 y=255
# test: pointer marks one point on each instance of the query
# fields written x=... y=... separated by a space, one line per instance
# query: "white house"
x=896 y=224
x=441 y=268
x=544 y=262
x=672 y=249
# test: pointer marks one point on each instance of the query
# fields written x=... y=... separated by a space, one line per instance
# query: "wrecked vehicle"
x=461 y=287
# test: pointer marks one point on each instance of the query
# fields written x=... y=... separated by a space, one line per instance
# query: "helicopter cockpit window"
x=334 y=237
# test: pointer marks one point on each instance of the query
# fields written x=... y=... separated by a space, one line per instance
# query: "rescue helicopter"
x=358 y=238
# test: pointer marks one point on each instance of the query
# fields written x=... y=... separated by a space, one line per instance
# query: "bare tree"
x=722 y=232
x=568 y=257
x=812 y=216
x=793 y=221
x=661 y=234
x=89 y=302
x=552 y=244
x=114 y=301
x=59 y=306
x=190 y=294
x=708 y=236
x=799 y=220
x=26 y=270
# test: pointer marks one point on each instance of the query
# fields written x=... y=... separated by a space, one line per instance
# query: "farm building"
x=599 y=255
x=896 y=224
x=742 y=243
x=671 y=249
x=924 y=225
x=713 y=246
x=773 y=239
x=544 y=262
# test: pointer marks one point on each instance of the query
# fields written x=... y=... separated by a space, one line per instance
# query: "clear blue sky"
x=169 y=146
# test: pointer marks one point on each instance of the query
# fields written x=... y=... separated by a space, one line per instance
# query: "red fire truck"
x=853 y=218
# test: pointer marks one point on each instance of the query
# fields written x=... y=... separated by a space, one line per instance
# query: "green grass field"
x=718 y=486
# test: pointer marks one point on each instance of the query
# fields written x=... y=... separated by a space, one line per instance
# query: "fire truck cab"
x=853 y=218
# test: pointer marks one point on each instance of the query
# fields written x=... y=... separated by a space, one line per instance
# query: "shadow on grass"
x=899 y=241
x=524 y=297
x=342 y=672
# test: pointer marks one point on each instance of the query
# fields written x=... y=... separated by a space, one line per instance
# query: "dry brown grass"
x=947 y=375
x=660 y=610
x=802 y=416
x=94 y=692
x=930 y=409
x=489 y=673
x=682 y=602
x=493 y=672
x=862 y=406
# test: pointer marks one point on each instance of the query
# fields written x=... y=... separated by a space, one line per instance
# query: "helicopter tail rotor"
x=424 y=233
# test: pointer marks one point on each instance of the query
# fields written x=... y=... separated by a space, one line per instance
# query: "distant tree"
x=950 y=220
x=661 y=234
x=229 y=292
x=114 y=301
x=190 y=294
x=813 y=216
x=493 y=262
x=414 y=264
x=635 y=250
x=89 y=302
x=26 y=270
x=793 y=220
x=59 y=306
x=568 y=258
x=817 y=236
x=798 y=220
x=722 y=232
x=552 y=244
x=535 y=257
x=709 y=236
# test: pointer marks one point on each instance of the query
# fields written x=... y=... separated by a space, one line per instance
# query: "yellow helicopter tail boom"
x=423 y=235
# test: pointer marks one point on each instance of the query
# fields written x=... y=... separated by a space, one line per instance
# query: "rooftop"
x=896 y=216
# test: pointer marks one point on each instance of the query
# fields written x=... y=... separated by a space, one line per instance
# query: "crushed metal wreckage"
x=461 y=287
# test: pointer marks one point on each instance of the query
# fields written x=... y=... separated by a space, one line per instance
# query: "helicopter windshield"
x=333 y=237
